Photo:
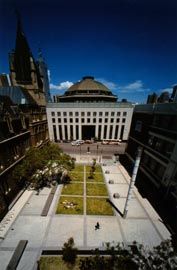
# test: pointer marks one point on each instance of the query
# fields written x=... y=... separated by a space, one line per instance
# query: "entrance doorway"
x=88 y=132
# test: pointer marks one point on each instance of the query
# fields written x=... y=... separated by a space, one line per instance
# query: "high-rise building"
x=87 y=110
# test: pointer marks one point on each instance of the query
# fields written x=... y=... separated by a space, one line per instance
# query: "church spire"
x=22 y=55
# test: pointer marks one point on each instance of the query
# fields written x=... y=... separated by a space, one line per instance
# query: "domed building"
x=87 y=110
x=88 y=90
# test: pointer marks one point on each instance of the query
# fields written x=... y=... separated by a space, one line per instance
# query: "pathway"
x=142 y=223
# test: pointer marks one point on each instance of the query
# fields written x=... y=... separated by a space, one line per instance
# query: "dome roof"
x=88 y=90
x=88 y=84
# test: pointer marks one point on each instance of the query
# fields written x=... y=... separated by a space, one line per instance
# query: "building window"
x=138 y=126
x=94 y=113
x=100 y=113
x=64 y=114
x=110 y=132
x=60 y=132
x=76 y=114
x=124 y=113
x=77 y=120
x=82 y=113
x=88 y=113
x=117 y=120
x=94 y=120
x=105 y=131
x=59 y=113
x=106 y=113
x=70 y=113
x=53 y=120
x=99 y=133
x=55 y=133
x=116 y=132
x=123 y=120
x=53 y=113
x=82 y=120
x=100 y=120
x=71 y=120
x=122 y=132
x=112 y=113
x=118 y=113
x=88 y=120
x=66 y=132
x=106 y=120
x=59 y=120
x=65 y=120
x=112 y=120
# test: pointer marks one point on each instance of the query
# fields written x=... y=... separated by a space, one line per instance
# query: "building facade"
x=88 y=110
x=154 y=128
x=23 y=119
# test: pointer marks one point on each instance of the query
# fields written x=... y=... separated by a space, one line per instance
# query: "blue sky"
x=129 y=45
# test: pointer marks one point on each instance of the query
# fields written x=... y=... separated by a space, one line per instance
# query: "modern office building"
x=154 y=128
x=87 y=110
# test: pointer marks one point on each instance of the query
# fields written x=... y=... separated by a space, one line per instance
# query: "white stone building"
x=87 y=110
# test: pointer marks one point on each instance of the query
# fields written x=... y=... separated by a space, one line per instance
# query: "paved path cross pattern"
x=142 y=223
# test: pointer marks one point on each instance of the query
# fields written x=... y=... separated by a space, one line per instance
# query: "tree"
x=69 y=252
x=92 y=169
x=41 y=165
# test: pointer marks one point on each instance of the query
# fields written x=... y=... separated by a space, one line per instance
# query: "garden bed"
x=99 y=206
x=72 y=189
x=70 y=205
x=94 y=189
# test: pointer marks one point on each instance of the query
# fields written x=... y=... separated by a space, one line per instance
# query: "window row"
x=88 y=120
x=88 y=113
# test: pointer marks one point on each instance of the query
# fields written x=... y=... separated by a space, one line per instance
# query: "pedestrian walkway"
x=50 y=232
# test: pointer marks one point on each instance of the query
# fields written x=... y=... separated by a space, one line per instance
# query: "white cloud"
x=170 y=89
x=109 y=84
x=136 y=86
x=61 y=86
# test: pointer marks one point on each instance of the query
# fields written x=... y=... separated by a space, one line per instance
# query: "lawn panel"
x=78 y=210
x=99 y=206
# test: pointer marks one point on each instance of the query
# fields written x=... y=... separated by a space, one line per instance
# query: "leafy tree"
x=41 y=165
x=69 y=252
x=92 y=169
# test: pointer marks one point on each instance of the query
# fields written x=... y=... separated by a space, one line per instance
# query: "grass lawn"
x=76 y=210
x=98 y=177
x=97 y=206
x=97 y=169
x=55 y=263
x=96 y=189
x=72 y=189
x=76 y=176
x=78 y=168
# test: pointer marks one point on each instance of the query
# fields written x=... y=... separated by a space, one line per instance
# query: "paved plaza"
x=49 y=233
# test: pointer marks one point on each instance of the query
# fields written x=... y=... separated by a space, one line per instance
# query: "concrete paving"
x=142 y=223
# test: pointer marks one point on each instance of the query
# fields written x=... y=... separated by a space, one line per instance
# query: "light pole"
x=132 y=181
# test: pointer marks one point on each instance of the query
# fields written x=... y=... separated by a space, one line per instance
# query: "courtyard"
x=87 y=199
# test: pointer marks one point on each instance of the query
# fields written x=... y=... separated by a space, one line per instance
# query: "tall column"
x=69 y=134
x=57 y=131
x=74 y=132
x=96 y=130
x=107 y=135
x=113 y=131
x=63 y=131
x=80 y=132
x=102 y=131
